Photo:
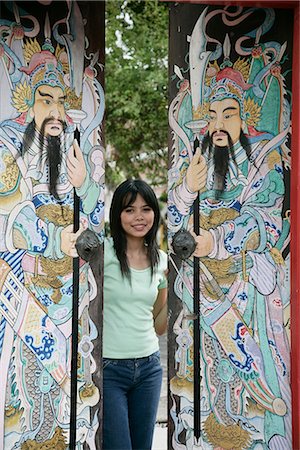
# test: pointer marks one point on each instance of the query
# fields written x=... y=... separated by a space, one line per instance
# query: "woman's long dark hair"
x=124 y=196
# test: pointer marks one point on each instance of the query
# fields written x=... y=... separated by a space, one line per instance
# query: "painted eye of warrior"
x=228 y=116
x=212 y=118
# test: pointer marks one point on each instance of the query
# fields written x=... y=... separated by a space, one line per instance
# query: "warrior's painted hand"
x=76 y=165
x=68 y=240
x=205 y=243
x=196 y=173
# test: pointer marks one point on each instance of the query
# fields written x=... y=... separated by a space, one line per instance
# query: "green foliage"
x=136 y=90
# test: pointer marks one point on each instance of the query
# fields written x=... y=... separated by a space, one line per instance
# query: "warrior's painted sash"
x=34 y=327
x=244 y=354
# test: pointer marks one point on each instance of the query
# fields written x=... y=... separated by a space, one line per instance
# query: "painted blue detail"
x=237 y=206
x=97 y=213
x=44 y=351
x=177 y=217
x=273 y=345
x=44 y=238
x=45 y=300
x=242 y=296
x=239 y=340
x=43 y=199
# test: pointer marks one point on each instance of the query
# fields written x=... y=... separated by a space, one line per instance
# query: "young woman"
x=135 y=312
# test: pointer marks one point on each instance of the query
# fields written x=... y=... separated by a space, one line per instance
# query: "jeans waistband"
x=144 y=358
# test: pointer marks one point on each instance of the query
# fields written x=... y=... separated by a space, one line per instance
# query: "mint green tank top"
x=128 y=327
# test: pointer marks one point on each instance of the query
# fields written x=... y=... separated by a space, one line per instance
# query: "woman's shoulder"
x=108 y=241
x=109 y=250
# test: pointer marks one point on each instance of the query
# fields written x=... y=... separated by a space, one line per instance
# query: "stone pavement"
x=160 y=440
x=161 y=431
x=162 y=414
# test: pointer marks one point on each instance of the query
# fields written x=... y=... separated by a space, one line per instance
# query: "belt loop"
x=245 y=276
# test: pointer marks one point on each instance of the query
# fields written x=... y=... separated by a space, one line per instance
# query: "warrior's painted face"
x=224 y=119
x=49 y=103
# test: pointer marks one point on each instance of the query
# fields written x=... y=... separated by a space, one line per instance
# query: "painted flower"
x=18 y=31
x=211 y=72
x=276 y=70
x=90 y=72
x=256 y=52
x=238 y=392
x=277 y=302
x=184 y=85
x=243 y=331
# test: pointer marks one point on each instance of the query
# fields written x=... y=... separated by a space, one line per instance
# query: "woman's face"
x=137 y=219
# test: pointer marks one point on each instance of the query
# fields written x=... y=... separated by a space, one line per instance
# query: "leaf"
x=136 y=90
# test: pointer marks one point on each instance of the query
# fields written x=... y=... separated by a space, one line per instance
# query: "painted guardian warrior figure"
x=238 y=173
x=41 y=165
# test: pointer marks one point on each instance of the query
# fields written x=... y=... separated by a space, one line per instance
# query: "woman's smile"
x=137 y=218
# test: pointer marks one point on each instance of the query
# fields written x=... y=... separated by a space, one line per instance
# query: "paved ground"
x=160 y=440
x=161 y=431
x=162 y=413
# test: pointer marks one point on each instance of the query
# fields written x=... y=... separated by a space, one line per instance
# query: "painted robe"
x=36 y=296
x=245 y=386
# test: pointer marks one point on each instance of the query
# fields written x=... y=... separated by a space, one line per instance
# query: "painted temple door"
x=51 y=77
x=233 y=81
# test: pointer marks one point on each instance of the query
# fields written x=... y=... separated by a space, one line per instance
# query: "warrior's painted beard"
x=222 y=155
x=53 y=147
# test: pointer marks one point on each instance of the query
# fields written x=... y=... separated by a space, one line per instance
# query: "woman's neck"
x=136 y=253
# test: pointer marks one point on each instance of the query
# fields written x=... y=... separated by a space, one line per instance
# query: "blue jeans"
x=131 y=390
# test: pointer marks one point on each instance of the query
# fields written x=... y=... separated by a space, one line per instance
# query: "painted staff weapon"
x=77 y=117
x=74 y=42
x=198 y=58
x=196 y=329
x=196 y=127
x=88 y=247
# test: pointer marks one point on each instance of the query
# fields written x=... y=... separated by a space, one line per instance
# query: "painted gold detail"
x=252 y=112
x=243 y=66
x=57 y=442
x=21 y=97
x=227 y=437
x=31 y=47
x=10 y=177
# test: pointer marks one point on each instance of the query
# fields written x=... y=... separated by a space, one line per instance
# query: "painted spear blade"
x=226 y=47
x=199 y=58
x=47 y=28
x=74 y=41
